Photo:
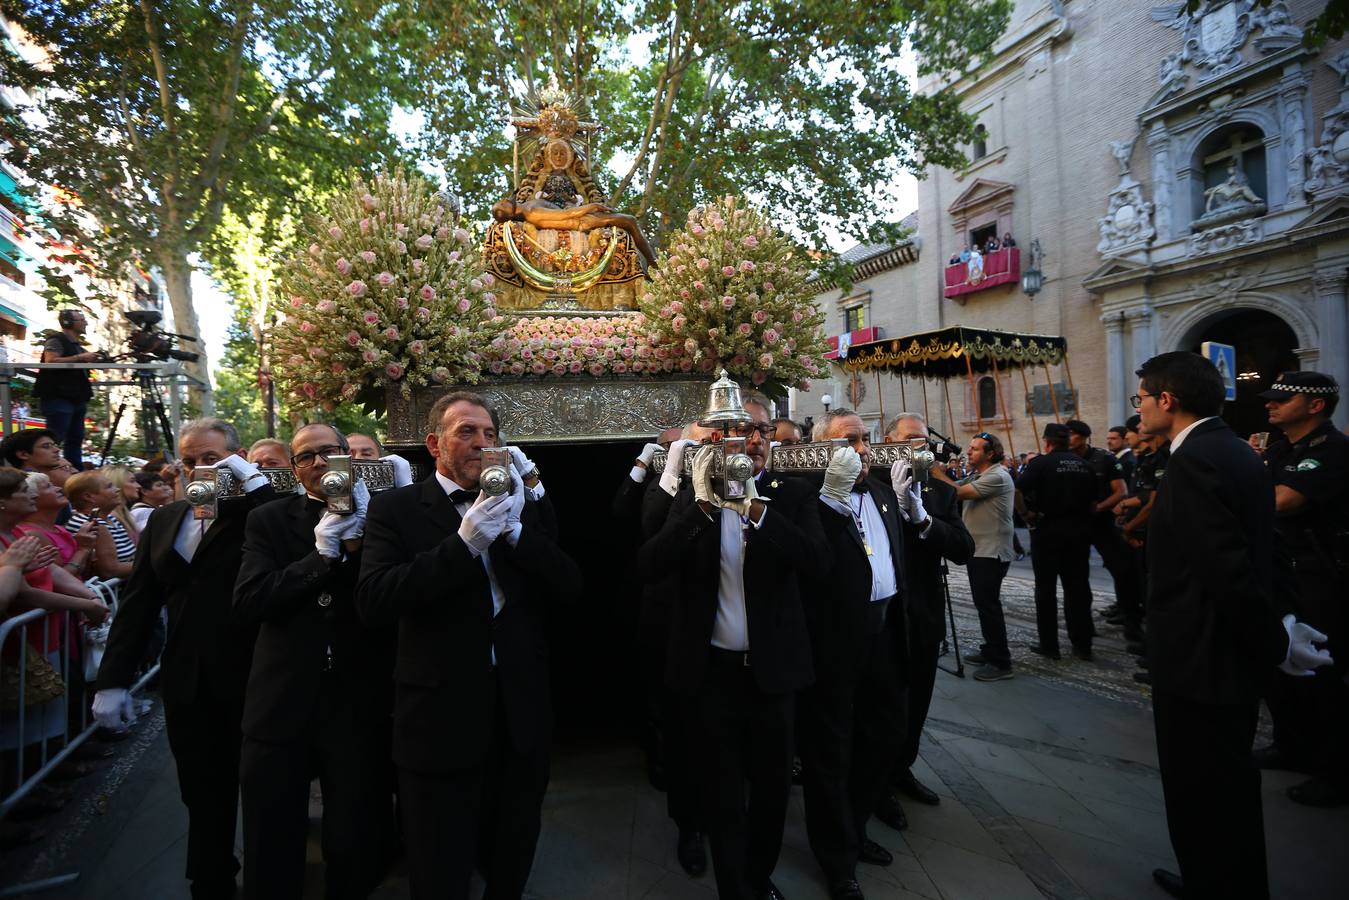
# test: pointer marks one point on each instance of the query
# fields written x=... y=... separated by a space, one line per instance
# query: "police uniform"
x=1148 y=471
x=1107 y=469
x=1059 y=488
x=1311 y=715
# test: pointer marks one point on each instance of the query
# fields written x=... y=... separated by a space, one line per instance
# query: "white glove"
x=328 y=534
x=484 y=522
x=1303 y=657
x=248 y=474
x=702 y=476
x=901 y=479
x=648 y=453
x=113 y=709
x=360 y=502
x=741 y=506
x=523 y=464
x=674 y=466
x=402 y=469
x=841 y=474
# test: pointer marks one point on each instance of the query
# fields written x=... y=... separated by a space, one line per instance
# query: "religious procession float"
x=561 y=314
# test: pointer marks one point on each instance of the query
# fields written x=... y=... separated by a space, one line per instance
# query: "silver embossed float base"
x=569 y=410
x=813 y=458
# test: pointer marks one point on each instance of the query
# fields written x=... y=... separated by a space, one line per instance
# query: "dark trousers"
x=204 y=737
x=682 y=803
x=1212 y=794
x=1061 y=551
x=1311 y=720
x=1117 y=557
x=986 y=575
x=848 y=732
x=921 y=676
x=357 y=809
x=66 y=420
x=744 y=740
x=486 y=816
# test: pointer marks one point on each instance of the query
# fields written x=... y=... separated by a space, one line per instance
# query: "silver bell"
x=724 y=407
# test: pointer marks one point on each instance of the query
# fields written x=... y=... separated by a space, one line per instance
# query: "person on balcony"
x=1007 y=242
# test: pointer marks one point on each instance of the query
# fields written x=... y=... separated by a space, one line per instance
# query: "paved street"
x=1048 y=782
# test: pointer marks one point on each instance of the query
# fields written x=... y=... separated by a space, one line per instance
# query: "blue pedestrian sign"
x=1224 y=356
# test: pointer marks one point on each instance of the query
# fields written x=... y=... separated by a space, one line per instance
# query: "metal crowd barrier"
x=14 y=633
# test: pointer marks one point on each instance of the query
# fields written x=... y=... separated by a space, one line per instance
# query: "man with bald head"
x=317 y=697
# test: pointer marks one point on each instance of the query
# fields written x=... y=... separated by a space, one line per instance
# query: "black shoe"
x=1111 y=610
x=911 y=786
x=1134 y=634
x=991 y=672
x=214 y=890
x=1046 y=652
x=976 y=659
x=1136 y=648
x=889 y=812
x=1143 y=677
x=772 y=893
x=847 y=889
x=796 y=770
x=1082 y=653
x=692 y=855
x=1319 y=792
x=1169 y=882
x=1273 y=757
x=873 y=854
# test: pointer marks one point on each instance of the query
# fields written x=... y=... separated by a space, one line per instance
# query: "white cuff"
x=836 y=506
x=512 y=534
x=255 y=481
x=638 y=474
x=535 y=493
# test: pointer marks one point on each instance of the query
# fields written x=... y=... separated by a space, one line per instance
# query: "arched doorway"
x=1264 y=344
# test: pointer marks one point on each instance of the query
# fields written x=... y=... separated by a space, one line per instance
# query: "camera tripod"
x=154 y=419
x=953 y=644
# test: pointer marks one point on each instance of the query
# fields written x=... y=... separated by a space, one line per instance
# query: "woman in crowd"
x=75 y=551
x=129 y=492
x=93 y=497
x=155 y=492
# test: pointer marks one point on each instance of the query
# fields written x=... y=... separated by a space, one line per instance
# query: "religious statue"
x=1233 y=194
x=555 y=243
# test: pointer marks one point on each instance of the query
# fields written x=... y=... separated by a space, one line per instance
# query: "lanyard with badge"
x=857 y=519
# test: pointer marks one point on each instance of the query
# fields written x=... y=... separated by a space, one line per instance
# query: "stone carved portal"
x=555 y=244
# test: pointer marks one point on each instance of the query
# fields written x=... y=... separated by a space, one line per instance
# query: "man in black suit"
x=319 y=692
x=934 y=534
x=1214 y=635
x=469 y=580
x=189 y=565
x=739 y=649
x=851 y=718
x=641 y=505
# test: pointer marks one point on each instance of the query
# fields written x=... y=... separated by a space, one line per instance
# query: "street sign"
x=1224 y=356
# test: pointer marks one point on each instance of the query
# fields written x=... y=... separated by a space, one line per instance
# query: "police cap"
x=1077 y=426
x=1056 y=432
x=1314 y=384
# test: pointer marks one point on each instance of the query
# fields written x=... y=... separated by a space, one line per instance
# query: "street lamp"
x=1033 y=279
x=827 y=399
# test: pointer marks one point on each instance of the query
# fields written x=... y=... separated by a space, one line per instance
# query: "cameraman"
x=65 y=393
x=988 y=494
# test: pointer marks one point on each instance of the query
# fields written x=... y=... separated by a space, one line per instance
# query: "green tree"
x=804 y=106
x=156 y=113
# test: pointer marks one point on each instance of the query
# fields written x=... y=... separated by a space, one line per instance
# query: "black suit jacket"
x=1214 y=634
x=207 y=648
x=947 y=539
x=416 y=572
x=838 y=598
x=310 y=638
x=786 y=547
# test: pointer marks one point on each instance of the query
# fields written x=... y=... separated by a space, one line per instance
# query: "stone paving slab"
x=1048 y=783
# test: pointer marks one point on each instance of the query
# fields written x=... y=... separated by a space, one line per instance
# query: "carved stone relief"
x=1225 y=237
x=1215 y=36
x=1328 y=161
x=1128 y=222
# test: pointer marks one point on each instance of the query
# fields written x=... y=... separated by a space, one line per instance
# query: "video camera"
x=148 y=342
x=943 y=448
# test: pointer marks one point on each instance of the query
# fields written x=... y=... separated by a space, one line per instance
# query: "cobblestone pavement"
x=1048 y=783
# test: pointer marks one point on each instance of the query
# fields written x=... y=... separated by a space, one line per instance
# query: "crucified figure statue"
x=542 y=214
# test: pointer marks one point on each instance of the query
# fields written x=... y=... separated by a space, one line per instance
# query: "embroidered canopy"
x=955 y=351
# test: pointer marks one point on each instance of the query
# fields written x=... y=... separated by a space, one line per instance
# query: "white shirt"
x=193 y=529
x=871 y=527
x=1185 y=432
x=730 y=631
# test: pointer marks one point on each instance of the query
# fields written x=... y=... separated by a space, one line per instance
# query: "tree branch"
x=224 y=107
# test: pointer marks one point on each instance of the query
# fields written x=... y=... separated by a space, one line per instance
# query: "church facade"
x=1172 y=178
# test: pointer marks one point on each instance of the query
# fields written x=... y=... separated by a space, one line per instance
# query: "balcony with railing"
x=997 y=267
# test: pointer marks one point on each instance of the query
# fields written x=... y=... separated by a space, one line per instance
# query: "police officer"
x=1150 y=456
x=1310 y=470
x=1111 y=488
x=1058 y=491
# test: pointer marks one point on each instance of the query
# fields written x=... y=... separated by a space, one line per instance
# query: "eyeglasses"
x=306 y=459
x=1137 y=399
x=767 y=429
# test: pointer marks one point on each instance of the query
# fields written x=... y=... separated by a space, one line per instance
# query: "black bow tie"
x=314 y=505
x=457 y=497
